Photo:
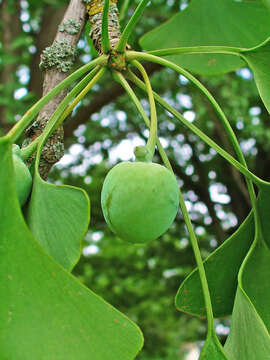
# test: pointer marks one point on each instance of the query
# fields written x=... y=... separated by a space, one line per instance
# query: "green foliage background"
x=141 y=281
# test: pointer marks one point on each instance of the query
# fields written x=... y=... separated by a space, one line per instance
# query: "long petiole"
x=105 y=41
x=122 y=43
x=30 y=114
x=151 y=143
x=199 y=262
x=57 y=117
x=81 y=95
x=198 y=49
x=198 y=132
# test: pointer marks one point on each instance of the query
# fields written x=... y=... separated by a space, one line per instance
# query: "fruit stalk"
x=151 y=143
x=120 y=78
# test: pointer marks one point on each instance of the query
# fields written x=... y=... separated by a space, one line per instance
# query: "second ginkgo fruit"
x=23 y=178
x=139 y=200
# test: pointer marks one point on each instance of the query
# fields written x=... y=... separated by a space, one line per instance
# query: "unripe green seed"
x=139 y=200
x=23 y=178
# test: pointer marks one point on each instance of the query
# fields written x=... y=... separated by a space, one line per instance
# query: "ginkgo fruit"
x=139 y=200
x=23 y=178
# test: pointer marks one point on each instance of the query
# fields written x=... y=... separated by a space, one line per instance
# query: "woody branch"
x=56 y=62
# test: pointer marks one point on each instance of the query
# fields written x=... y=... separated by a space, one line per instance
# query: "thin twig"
x=95 y=9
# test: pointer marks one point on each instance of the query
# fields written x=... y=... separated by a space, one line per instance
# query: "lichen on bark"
x=70 y=26
x=60 y=54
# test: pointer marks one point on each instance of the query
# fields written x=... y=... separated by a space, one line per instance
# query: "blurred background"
x=141 y=281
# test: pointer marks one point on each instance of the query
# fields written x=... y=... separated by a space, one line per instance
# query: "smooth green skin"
x=139 y=200
x=23 y=179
